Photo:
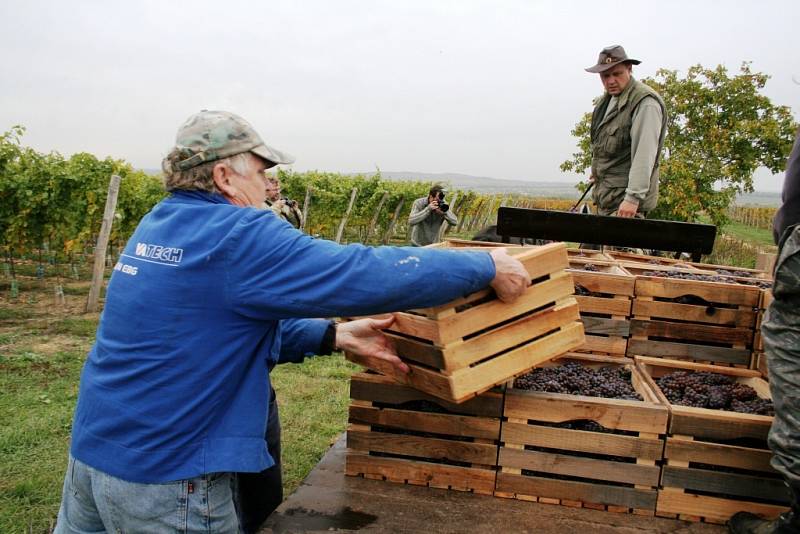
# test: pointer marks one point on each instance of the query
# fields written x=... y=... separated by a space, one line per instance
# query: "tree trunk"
x=340 y=231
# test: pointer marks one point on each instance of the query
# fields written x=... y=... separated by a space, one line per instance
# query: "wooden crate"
x=390 y=438
x=472 y=344
x=588 y=254
x=466 y=243
x=604 y=298
x=693 y=320
x=616 y=471
x=716 y=461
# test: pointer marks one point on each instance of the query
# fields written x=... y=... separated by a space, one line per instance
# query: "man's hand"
x=363 y=337
x=434 y=205
x=627 y=209
x=511 y=278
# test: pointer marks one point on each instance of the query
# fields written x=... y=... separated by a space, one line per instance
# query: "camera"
x=443 y=206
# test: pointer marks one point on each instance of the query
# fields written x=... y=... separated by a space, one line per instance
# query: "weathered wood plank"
x=580 y=491
x=592 y=468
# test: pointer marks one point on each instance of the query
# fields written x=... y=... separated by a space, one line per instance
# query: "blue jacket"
x=205 y=297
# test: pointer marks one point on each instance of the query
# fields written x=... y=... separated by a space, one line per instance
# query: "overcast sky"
x=488 y=88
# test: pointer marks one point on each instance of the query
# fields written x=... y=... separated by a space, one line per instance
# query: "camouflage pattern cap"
x=611 y=56
x=213 y=135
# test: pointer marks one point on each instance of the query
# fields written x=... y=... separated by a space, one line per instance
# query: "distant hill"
x=484 y=184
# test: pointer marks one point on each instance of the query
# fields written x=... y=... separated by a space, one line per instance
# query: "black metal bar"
x=604 y=230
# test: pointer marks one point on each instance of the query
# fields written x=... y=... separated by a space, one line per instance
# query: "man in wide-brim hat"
x=628 y=127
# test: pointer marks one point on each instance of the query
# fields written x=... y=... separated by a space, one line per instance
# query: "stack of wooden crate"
x=716 y=461
x=613 y=467
x=456 y=421
x=400 y=434
x=604 y=292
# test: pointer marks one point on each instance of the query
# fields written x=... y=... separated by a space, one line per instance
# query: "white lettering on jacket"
x=160 y=254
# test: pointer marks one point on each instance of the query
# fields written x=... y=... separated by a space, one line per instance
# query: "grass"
x=42 y=350
x=750 y=234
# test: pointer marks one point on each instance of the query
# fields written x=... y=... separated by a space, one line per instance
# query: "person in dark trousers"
x=210 y=292
x=627 y=133
x=781 y=333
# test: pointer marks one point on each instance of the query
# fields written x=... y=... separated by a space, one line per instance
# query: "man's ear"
x=222 y=179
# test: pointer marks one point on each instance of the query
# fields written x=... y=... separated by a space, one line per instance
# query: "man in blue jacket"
x=209 y=293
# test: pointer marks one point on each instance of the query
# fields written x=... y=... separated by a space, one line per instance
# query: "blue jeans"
x=94 y=501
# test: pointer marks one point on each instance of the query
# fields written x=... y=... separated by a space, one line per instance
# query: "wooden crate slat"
x=589 y=304
x=422 y=473
x=592 y=468
x=711 y=508
x=689 y=351
x=422 y=447
x=439 y=423
x=599 y=282
x=691 y=331
x=577 y=491
x=611 y=413
x=606 y=345
x=725 y=483
x=716 y=292
x=692 y=312
x=718 y=454
x=383 y=389
x=723 y=426
x=610 y=327
x=582 y=441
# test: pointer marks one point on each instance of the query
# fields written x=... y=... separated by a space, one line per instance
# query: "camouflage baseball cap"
x=611 y=56
x=213 y=135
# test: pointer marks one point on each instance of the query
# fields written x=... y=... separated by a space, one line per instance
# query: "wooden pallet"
x=389 y=438
x=693 y=320
x=544 y=463
x=606 y=311
x=716 y=462
x=468 y=346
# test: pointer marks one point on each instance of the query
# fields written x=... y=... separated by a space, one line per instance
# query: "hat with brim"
x=213 y=135
x=610 y=57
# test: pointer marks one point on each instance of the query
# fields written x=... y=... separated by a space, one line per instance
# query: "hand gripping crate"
x=546 y=456
x=604 y=292
x=716 y=461
x=467 y=346
x=403 y=435
x=693 y=320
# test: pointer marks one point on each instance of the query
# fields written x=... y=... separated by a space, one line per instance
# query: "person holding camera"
x=427 y=215
x=283 y=207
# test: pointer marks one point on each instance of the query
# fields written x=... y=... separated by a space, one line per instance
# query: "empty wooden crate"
x=467 y=346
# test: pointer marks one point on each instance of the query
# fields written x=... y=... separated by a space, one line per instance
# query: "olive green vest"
x=611 y=147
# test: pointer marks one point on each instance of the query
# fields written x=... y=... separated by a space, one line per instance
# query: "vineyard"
x=51 y=209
